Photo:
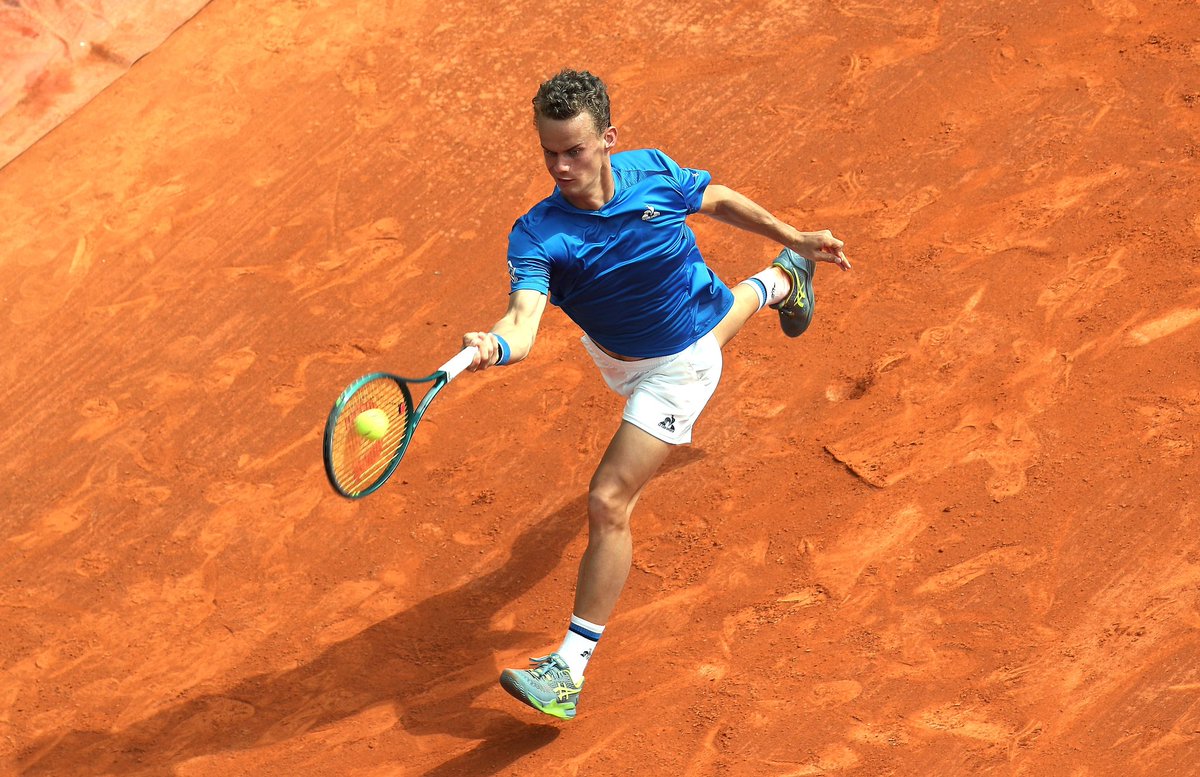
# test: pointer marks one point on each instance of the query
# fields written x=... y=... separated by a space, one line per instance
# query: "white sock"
x=579 y=644
x=760 y=289
x=776 y=284
x=771 y=285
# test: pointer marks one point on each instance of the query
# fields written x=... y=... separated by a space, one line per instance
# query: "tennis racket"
x=357 y=465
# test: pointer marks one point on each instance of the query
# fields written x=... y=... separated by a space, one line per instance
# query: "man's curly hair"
x=569 y=94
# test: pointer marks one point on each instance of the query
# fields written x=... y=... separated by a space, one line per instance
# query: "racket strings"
x=358 y=461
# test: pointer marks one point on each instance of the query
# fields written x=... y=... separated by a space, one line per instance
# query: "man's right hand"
x=488 y=353
x=821 y=247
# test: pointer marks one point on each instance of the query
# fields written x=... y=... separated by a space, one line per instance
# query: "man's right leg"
x=552 y=685
x=631 y=459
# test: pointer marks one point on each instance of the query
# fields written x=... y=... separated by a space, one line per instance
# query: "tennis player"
x=611 y=247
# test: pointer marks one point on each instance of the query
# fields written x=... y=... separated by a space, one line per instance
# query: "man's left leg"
x=786 y=286
x=747 y=300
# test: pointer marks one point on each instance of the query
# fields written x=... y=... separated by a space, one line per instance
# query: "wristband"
x=505 y=351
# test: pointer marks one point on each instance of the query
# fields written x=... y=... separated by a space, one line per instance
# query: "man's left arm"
x=730 y=207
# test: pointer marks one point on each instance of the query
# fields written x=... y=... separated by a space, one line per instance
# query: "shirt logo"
x=650 y=213
x=512 y=273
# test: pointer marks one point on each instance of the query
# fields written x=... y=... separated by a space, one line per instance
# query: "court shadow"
x=410 y=661
x=431 y=676
x=498 y=751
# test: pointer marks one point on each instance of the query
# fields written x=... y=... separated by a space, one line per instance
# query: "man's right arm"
x=518 y=328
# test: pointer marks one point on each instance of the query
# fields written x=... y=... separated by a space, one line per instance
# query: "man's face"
x=576 y=156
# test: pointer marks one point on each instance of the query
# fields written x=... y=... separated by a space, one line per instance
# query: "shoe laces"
x=543 y=667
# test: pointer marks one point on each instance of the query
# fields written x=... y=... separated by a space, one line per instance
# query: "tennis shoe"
x=547 y=687
x=796 y=310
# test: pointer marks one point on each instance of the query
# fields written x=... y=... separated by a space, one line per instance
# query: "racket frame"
x=446 y=373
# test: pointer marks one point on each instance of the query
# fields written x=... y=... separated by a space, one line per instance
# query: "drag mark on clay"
x=964 y=720
x=834 y=758
x=1164 y=326
x=897 y=216
x=840 y=568
x=932 y=429
x=1015 y=559
x=228 y=368
x=1169 y=423
x=1083 y=284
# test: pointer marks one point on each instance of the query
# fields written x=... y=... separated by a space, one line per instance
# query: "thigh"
x=631 y=459
x=745 y=305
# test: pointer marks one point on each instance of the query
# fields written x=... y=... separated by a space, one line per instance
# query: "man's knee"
x=608 y=507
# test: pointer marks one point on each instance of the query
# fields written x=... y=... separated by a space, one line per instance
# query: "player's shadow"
x=431 y=662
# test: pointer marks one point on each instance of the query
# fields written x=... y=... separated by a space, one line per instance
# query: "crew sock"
x=777 y=284
x=760 y=289
x=771 y=285
x=579 y=644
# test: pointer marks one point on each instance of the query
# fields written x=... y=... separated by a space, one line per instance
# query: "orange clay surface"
x=953 y=530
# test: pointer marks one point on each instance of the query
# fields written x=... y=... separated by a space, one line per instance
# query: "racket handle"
x=459 y=363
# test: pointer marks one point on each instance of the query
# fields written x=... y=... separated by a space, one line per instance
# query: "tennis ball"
x=372 y=424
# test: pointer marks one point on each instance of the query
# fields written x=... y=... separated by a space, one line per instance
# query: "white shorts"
x=667 y=393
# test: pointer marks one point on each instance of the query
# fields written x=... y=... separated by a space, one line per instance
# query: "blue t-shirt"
x=630 y=274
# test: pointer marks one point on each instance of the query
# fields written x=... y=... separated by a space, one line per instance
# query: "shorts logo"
x=668 y=423
x=650 y=213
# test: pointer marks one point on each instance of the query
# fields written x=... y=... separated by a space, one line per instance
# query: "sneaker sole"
x=560 y=710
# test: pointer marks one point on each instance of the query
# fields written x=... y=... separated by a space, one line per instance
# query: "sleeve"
x=690 y=183
x=528 y=262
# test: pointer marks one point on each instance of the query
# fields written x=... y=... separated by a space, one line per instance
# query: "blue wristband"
x=505 y=351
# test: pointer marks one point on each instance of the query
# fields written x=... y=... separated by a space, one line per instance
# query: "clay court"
x=954 y=529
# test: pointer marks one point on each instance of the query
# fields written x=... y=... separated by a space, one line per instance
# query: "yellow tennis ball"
x=372 y=424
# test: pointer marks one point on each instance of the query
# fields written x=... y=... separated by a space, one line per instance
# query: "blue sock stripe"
x=585 y=633
x=762 y=290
